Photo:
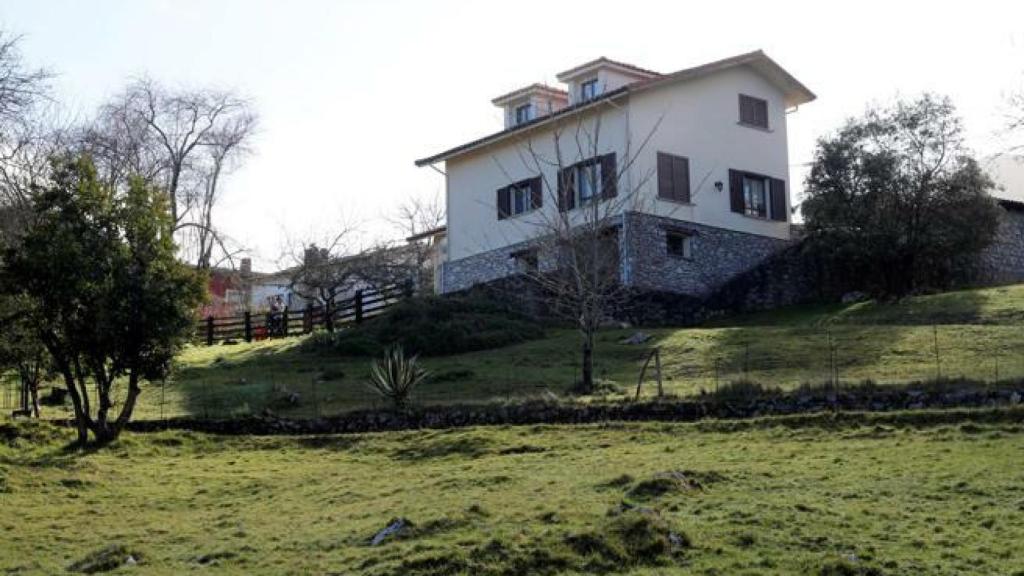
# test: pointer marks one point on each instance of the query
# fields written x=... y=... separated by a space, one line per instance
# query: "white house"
x=702 y=152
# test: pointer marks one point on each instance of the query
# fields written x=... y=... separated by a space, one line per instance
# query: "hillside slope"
x=977 y=334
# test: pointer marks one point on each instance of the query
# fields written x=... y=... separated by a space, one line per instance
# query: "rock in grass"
x=636 y=338
x=394 y=527
x=105 y=560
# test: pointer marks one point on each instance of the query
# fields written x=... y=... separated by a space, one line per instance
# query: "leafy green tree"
x=895 y=202
x=111 y=303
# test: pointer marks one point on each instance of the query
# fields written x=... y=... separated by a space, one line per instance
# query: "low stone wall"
x=480 y=268
x=717 y=256
x=867 y=398
x=1003 y=261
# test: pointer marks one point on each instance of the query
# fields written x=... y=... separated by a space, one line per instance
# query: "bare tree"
x=415 y=219
x=417 y=215
x=223 y=151
x=323 y=269
x=575 y=252
x=25 y=139
x=182 y=140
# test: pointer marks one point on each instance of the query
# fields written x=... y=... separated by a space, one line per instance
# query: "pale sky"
x=350 y=93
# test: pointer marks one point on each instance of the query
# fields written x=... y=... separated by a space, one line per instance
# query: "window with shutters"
x=755 y=196
x=588 y=182
x=679 y=244
x=588 y=90
x=520 y=198
x=753 y=111
x=524 y=113
x=673 y=177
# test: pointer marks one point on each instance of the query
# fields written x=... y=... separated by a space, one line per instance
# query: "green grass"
x=921 y=493
x=980 y=335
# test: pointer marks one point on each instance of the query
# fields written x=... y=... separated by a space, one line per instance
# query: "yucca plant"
x=395 y=376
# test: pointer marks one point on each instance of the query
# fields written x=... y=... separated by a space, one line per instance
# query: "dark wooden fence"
x=250 y=326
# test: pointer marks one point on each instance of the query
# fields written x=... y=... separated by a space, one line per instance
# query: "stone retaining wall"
x=1003 y=261
x=717 y=255
x=875 y=399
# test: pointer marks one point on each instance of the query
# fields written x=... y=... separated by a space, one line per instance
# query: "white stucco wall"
x=699 y=120
x=473 y=180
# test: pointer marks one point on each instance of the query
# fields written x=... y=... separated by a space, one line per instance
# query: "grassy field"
x=922 y=493
x=979 y=333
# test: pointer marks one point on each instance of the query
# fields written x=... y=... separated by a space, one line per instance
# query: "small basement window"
x=525 y=261
x=679 y=244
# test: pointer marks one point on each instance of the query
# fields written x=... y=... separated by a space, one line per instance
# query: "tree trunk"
x=128 y=407
x=329 y=314
x=81 y=418
x=34 y=393
x=587 y=376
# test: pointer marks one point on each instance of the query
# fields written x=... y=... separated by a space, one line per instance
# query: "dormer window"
x=524 y=113
x=588 y=90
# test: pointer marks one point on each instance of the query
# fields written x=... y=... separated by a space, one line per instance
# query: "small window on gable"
x=524 y=113
x=679 y=244
x=588 y=90
x=753 y=111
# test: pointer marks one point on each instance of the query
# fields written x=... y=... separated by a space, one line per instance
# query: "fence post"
x=284 y=322
x=209 y=330
x=358 y=303
x=248 y=326
x=657 y=367
x=307 y=319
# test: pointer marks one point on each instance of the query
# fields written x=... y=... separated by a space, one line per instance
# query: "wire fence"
x=312 y=386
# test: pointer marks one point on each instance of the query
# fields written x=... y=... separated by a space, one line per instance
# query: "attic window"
x=588 y=90
x=753 y=111
x=524 y=113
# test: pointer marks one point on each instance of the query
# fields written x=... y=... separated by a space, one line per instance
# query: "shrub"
x=395 y=376
x=432 y=326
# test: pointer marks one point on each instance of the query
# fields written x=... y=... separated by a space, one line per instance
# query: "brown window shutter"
x=665 y=189
x=778 y=193
x=681 y=179
x=753 y=111
x=536 y=192
x=566 y=193
x=610 y=175
x=504 y=203
x=736 y=191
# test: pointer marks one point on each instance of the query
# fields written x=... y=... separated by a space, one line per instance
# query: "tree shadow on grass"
x=826 y=342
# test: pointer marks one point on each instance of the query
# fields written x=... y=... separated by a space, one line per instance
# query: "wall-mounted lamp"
x=718 y=186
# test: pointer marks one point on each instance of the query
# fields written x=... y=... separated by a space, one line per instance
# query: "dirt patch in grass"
x=674 y=481
x=521 y=449
x=106 y=559
x=631 y=540
x=467 y=447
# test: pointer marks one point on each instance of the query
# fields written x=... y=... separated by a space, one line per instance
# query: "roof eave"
x=541 y=121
